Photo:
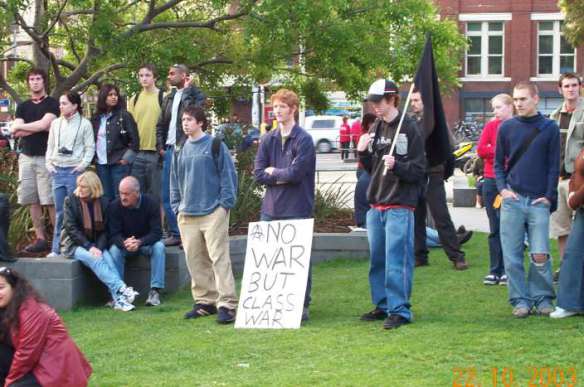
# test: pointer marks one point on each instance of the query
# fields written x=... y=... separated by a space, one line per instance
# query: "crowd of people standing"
x=532 y=178
x=148 y=157
x=534 y=167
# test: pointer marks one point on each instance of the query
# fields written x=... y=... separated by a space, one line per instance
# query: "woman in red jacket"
x=34 y=336
x=503 y=110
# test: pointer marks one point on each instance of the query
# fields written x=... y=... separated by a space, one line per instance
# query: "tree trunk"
x=38 y=57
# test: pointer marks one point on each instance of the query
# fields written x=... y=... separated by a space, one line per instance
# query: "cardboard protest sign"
x=277 y=258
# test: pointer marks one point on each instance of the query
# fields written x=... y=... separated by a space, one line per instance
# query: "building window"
x=548 y=104
x=554 y=54
x=477 y=110
x=484 y=57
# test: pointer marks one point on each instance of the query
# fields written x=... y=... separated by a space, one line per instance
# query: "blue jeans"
x=391 y=243
x=517 y=217
x=146 y=169
x=307 y=298
x=165 y=192
x=432 y=237
x=64 y=183
x=571 y=288
x=157 y=256
x=495 y=252
x=101 y=268
x=110 y=176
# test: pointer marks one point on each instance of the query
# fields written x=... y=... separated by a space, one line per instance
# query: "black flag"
x=438 y=148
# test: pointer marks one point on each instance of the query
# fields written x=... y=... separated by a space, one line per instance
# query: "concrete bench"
x=462 y=194
x=66 y=283
x=325 y=247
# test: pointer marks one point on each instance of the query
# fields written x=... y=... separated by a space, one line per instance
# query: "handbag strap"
x=523 y=148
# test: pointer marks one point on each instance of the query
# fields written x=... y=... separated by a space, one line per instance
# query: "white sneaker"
x=562 y=313
x=129 y=293
x=123 y=305
x=52 y=255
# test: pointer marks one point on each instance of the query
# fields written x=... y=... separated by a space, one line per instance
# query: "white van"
x=324 y=131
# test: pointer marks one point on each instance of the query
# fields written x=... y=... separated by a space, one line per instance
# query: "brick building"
x=509 y=41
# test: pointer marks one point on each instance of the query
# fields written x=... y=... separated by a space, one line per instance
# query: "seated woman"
x=36 y=349
x=85 y=237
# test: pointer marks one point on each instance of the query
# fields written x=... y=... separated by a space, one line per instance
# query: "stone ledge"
x=66 y=283
x=325 y=247
x=462 y=194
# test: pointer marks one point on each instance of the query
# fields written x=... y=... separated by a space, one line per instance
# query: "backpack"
x=215 y=147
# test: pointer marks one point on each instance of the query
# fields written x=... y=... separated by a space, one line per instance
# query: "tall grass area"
x=461 y=327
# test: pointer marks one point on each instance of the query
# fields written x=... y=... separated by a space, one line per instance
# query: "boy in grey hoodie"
x=203 y=188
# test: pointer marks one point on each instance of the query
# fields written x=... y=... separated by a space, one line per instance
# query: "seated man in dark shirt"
x=135 y=229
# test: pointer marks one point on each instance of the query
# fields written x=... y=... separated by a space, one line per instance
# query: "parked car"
x=324 y=131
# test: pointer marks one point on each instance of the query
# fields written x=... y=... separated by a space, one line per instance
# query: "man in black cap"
x=396 y=182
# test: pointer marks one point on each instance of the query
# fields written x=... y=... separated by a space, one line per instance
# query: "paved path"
x=332 y=172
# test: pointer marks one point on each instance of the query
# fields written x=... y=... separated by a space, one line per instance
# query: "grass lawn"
x=463 y=331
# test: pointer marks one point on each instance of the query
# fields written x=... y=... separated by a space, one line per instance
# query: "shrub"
x=249 y=202
x=20 y=221
x=249 y=195
x=331 y=198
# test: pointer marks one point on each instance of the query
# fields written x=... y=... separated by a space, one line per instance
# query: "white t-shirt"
x=101 y=144
x=171 y=139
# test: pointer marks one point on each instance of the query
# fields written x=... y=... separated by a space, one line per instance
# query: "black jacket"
x=73 y=235
x=402 y=185
x=190 y=96
x=142 y=222
x=123 y=141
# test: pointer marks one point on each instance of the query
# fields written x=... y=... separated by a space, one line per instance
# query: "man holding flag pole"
x=393 y=153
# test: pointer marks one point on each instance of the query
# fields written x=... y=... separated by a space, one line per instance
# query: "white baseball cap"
x=379 y=88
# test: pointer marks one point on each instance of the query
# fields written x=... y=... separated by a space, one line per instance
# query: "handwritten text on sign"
x=275 y=274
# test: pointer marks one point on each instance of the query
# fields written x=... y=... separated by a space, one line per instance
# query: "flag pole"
x=401 y=121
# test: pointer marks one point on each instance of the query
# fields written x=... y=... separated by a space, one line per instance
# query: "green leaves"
x=574 y=25
x=336 y=44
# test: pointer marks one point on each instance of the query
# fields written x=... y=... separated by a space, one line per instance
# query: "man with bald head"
x=134 y=228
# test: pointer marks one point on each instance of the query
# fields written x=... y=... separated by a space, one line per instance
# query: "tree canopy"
x=336 y=44
x=574 y=22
